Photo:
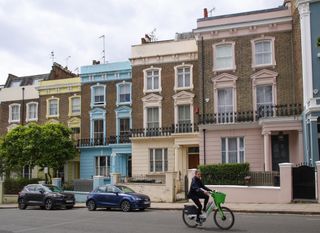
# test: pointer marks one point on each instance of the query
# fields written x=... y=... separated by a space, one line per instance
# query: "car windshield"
x=125 y=189
x=52 y=188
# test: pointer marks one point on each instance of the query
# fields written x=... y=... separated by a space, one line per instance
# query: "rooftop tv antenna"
x=153 y=35
x=211 y=11
x=104 y=48
x=67 y=59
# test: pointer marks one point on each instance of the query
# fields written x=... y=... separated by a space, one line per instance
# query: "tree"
x=49 y=145
x=56 y=146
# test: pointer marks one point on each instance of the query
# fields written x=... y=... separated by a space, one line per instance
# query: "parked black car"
x=44 y=195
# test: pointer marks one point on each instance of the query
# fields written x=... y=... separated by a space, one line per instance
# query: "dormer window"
x=15 y=83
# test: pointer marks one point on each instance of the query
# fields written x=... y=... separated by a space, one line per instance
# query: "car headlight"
x=137 y=198
x=57 y=195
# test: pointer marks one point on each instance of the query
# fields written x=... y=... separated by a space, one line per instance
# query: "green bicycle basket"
x=219 y=198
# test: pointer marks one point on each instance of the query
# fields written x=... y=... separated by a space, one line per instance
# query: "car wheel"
x=125 y=206
x=48 y=205
x=21 y=204
x=91 y=205
x=69 y=207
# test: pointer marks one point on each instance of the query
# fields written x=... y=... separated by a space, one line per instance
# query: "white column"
x=267 y=154
x=176 y=158
x=304 y=11
x=300 y=146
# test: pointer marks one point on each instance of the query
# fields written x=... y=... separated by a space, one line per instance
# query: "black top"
x=196 y=186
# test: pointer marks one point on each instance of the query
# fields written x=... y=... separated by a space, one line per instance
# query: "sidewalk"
x=291 y=208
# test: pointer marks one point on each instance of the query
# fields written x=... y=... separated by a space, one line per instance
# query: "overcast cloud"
x=31 y=29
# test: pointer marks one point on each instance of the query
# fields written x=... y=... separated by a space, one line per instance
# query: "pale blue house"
x=309 y=11
x=105 y=147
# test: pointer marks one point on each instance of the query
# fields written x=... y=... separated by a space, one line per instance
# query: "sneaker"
x=198 y=221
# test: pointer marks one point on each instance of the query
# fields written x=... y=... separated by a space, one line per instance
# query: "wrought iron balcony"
x=268 y=111
x=165 y=131
x=91 y=142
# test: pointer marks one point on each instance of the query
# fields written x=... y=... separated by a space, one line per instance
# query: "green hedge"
x=224 y=174
x=14 y=186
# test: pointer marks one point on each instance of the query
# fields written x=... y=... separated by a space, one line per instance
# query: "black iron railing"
x=250 y=116
x=120 y=139
x=165 y=131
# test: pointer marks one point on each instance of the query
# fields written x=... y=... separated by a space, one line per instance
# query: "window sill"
x=233 y=69
x=183 y=88
x=254 y=67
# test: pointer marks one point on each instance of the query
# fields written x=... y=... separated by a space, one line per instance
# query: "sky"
x=30 y=30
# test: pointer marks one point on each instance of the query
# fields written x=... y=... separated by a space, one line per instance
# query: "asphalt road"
x=153 y=221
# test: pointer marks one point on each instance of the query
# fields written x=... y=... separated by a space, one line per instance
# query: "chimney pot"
x=205 y=13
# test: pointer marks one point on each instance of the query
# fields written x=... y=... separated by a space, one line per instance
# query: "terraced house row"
x=238 y=88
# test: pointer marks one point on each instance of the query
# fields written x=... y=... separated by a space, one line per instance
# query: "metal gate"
x=303 y=182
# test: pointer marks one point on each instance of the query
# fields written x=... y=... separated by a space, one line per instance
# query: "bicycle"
x=223 y=216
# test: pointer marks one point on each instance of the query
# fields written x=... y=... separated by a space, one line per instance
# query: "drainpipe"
x=203 y=102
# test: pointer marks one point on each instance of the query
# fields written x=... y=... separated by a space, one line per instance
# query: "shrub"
x=14 y=186
x=224 y=174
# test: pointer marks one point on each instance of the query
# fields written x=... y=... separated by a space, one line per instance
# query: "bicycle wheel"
x=223 y=219
x=189 y=219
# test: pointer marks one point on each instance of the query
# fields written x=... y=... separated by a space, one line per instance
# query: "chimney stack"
x=205 y=13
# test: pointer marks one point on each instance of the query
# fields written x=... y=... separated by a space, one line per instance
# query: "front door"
x=280 y=150
x=193 y=161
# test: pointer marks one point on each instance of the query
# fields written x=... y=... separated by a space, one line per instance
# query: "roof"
x=108 y=67
x=25 y=80
x=280 y=8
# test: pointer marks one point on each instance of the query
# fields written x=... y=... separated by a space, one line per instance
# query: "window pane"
x=225 y=100
x=124 y=126
x=151 y=160
x=75 y=102
x=152 y=117
x=98 y=129
x=53 y=107
x=223 y=56
x=263 y=50
x=98 y=95
x=184 y=114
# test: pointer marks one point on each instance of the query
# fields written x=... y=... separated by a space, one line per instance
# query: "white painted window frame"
x=48 y=107
x=10 y=120
x=253 y=48
x=28 y=109
x=145 y=90
x=214 y=48
x=238 y=149
x=176 y=68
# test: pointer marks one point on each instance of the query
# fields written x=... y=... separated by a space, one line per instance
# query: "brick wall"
x=286 y=89
x=111 y=98
x=4 y=113
x=167 y=84
x=63 y=107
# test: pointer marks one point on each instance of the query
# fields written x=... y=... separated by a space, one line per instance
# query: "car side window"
x=31 y=188
x=111 y=189
x=101 y=189
x=39 y=188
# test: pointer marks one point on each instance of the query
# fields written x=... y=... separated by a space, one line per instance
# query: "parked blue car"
x=116 y=196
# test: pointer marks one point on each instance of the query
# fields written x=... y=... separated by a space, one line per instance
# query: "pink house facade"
x=250 y=103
